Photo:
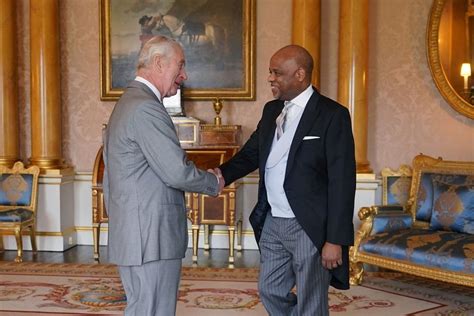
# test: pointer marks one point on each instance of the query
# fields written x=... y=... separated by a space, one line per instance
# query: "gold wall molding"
x=220 y=232
x=63 y=233
x=223 y=232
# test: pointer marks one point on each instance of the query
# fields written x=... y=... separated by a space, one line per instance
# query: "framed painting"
x=218 y=37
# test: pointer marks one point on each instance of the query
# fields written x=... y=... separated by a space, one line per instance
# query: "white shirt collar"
x=149 y=85
x=302 y=99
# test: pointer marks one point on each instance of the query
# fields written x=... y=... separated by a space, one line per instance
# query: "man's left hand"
x=331 y=256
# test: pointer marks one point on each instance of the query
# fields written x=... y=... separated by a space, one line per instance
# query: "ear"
x=157 y=63
x=300 y=74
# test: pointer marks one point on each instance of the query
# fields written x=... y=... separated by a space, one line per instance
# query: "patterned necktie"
x=280 y=121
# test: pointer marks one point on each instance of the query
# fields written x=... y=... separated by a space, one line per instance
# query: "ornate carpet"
x=81 y=289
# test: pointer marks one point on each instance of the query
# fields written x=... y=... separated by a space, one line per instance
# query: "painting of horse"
x=191 y=33
x=216 y=35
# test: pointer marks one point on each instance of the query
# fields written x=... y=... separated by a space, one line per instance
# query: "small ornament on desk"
x=217 y=108
x=217 y=133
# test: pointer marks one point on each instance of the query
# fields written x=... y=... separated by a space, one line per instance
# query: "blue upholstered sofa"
x=433 y=236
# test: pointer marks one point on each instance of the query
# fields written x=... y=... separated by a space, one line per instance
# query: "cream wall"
x=407 y=115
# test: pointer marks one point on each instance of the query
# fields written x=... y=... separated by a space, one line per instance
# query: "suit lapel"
x=311 y=112
x=269 y=134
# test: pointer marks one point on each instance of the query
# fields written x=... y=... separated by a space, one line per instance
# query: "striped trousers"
x=289 y=258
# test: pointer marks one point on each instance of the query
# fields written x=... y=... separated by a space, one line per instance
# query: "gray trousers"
x=289 y=257
x=152 y=288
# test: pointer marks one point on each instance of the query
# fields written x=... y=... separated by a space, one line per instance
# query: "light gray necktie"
x=280 y=121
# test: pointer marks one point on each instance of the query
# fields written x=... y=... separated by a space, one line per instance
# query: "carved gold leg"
x=195 y=242
x=19 y=245
x=206 y=237
x=356 y=268
x=357 y=271
x=239 y=235
x=33 y=239
x=231 y=244
x=1 y=243
x=96 y=239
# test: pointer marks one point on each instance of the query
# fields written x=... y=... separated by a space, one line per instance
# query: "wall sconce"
x=466 y=72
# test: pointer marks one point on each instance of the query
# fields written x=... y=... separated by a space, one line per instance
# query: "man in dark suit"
x=304 y=149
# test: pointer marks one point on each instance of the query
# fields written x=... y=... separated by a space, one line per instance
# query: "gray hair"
x=157 y=45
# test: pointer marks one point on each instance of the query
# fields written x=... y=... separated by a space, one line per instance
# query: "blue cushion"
x=424 y=199
x=453 y=207
x=387 y=223
x=15 y=189
x=16 y=215
x=436 y=249
x=398 y=190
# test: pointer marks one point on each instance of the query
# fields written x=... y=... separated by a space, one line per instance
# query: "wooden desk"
x=216 y=145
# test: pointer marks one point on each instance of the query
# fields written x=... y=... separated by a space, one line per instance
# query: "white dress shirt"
x=275 y=167
x=300 y=103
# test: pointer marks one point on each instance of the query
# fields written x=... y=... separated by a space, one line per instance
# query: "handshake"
x=221 y=182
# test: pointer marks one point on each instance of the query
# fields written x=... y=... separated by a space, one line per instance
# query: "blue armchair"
x=18 y=199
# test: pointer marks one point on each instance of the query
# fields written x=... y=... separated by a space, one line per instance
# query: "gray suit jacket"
x=146 y=174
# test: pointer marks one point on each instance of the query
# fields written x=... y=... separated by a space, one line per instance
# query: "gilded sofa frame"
x=421 y=164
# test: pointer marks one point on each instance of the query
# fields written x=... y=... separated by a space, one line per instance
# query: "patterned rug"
x=81 y=289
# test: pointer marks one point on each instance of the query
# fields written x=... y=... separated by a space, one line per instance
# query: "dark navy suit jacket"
x=320 y=176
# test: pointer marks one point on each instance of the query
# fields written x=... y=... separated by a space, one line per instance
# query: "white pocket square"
x=310 y=137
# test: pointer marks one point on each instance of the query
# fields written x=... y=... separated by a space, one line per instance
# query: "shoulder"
x=136 y=93
x=272 y=106
x=137 y=107
x=331 y=106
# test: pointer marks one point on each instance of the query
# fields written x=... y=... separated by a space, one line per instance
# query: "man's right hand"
x=221 y=182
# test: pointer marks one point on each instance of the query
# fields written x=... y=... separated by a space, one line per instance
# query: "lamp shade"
x=466 y=69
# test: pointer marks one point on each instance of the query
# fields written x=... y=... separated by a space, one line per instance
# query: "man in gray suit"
x=146 y=174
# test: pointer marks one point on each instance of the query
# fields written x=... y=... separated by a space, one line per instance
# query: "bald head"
x=290 y=69
x=301 y=57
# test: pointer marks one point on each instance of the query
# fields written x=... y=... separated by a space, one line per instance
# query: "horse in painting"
x=192 y=32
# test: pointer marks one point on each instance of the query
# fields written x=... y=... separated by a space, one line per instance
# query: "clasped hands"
x=217 y=172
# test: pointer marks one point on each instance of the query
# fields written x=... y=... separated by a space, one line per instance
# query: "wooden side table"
x=217 y=144
x=206 y=210
x=99 y=213
x=214 y=145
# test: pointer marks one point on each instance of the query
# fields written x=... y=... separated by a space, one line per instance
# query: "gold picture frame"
x=219 y=66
